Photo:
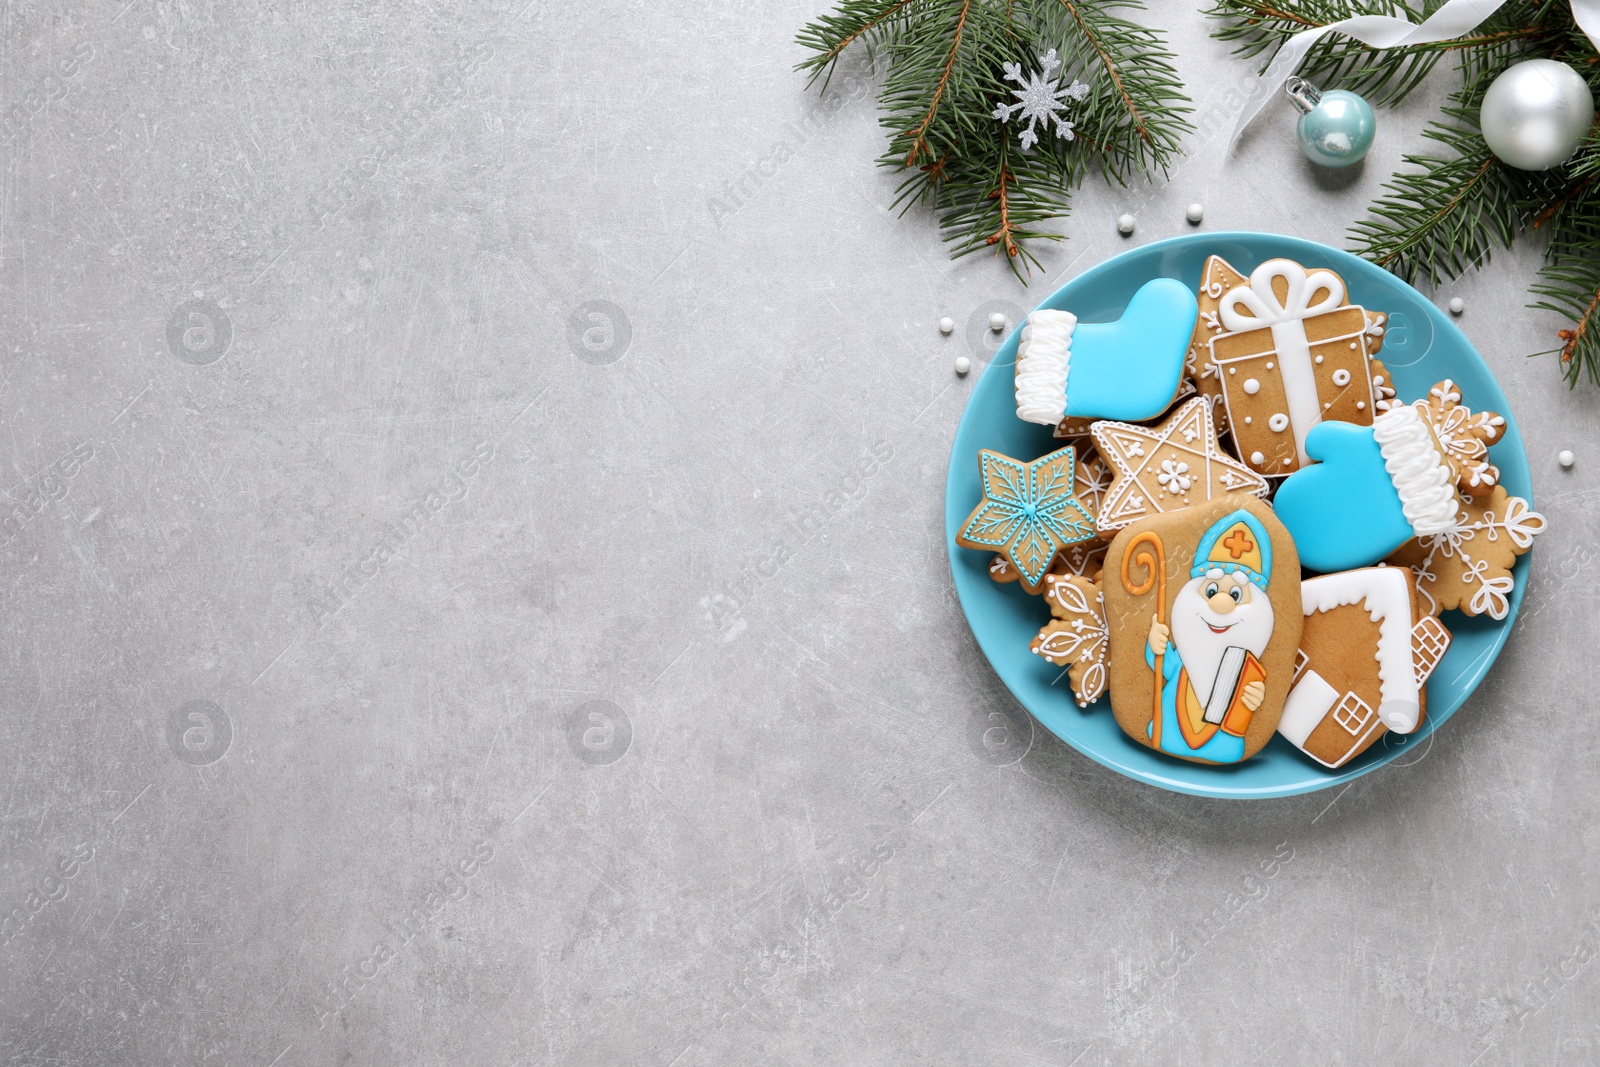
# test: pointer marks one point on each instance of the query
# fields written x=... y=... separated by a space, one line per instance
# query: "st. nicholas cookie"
x=1366 y=650
x=1167 y=468
x=1468 y=567
x=1203 y=612
x=1129 y=369
x=1028 y=513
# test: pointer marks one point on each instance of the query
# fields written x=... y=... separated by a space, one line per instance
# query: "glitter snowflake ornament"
x=1040 y=101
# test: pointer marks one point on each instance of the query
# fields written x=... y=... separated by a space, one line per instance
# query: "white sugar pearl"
x=1196 y=213
x=963 y=365
x=997 y=321
x=1257 y=458
x=1252 y=386
x=1125 y=224
x=1566 y=458
x=1457 y=305
x=947 y=325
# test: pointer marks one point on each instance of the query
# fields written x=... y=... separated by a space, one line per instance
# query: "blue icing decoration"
x=1342 y=511
x=1129 y=369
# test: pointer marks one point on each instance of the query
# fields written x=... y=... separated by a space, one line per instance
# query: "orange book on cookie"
x=1236 y=718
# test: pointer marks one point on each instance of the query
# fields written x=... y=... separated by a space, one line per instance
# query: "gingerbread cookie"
x=1083 y=559
x=1167 y=468
x=1028 y=513
x=1291 y=354
x=1128 y=369
x=1468 y=567
x=1090 y=480
x=1218 y=278
x=1375 y=487
x=1366 y=650
x=1203 y=611
x=1076 y=636
x=1463 y=437
x=1074 y=429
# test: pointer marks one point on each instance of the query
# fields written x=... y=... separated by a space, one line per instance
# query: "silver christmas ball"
x=1536 y=113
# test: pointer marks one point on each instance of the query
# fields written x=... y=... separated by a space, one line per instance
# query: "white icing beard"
x=1249 y=627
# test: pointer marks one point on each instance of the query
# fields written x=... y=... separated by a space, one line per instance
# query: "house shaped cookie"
x=1367 y=648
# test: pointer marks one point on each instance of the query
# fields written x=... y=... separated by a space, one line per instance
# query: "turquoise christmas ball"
x=1337 y=131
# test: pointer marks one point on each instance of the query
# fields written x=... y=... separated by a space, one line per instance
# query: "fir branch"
x=1445 y=216
x=946 y=64
x=852 y=21
x=1570 y=286
x=1384 y=76
x=1135 y=115
x=1448 y=213
x=919 y=142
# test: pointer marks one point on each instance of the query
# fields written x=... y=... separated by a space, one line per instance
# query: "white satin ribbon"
x=1455 y=19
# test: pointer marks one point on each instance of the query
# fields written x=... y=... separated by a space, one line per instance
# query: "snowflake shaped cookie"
x=1040 y=100
x=1464 y=437
x=1028 y=513
x=1469 y=568
x=1076 y=637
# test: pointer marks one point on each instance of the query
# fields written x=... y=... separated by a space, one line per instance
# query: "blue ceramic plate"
x=1420 y=347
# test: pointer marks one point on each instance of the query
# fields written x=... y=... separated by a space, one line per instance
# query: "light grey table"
x=443 y=626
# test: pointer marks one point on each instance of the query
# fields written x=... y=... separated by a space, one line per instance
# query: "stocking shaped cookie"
x=1128 y=369
x=1203 y=612
x=1375 y=487
x=1366 y=650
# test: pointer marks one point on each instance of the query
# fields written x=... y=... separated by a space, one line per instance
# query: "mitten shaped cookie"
x=1373 y=488
x=1203 y=612
x=1129 y=369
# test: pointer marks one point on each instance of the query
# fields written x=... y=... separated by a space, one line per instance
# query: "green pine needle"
x=1456 y=205
x=946 y=73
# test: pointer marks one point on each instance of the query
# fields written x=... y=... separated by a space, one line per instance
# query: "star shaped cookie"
x=1166 y=468
x=1028 y=513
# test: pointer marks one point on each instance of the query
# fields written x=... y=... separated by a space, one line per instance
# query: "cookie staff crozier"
x=1129 y=369
x=1373 y=488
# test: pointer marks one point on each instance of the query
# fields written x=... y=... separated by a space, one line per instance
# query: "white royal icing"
x=1425 y=484
x=1043 y=356
x=1383 y=592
